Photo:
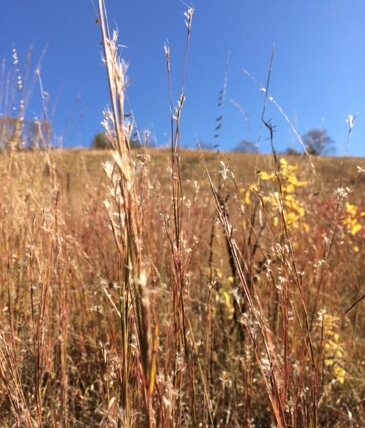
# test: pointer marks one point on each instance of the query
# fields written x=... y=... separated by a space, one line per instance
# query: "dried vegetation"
x=173 y=289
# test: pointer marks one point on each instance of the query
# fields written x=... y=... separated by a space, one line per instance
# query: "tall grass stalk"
x=127 y=223
x=181 y=361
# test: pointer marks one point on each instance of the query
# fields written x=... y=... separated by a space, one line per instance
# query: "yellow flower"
x=351 y=209
x=328 y=362
x=333 y=350
x=266 y=177
x=340 y=374
x=355 y=229
x=285 y=202
x=247 y=198
x=351 y=221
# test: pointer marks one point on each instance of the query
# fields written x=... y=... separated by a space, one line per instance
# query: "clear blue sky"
x=317 y=75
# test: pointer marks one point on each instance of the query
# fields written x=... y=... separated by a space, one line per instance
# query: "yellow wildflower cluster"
x=352 y=219
x=286 y=201
x=333 y=350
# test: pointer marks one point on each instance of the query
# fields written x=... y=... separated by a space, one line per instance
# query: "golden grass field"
x=171 y=288
x=63 y=360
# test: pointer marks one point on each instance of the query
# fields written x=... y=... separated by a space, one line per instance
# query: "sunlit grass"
x=173 y=288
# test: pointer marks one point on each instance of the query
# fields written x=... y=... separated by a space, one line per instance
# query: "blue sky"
x=317 y=75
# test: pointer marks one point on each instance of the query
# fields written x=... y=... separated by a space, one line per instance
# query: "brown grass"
x=62 y=336
x=164 y=288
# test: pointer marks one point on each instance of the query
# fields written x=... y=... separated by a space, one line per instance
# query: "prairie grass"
x=172 y=288
x=61 y=358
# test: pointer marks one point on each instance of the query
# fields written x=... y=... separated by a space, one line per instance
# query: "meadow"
x=176 y=288
x=237 y=327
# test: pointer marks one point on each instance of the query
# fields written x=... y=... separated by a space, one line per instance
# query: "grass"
x=172 y=288
x=61 y=328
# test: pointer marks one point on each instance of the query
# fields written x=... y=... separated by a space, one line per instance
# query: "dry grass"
x=62 y=336
x=172 y=289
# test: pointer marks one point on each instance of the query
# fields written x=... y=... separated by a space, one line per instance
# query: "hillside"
x=228 y=296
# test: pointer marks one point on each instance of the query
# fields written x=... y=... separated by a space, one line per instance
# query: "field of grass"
x=171 y=288
x=74 y=341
